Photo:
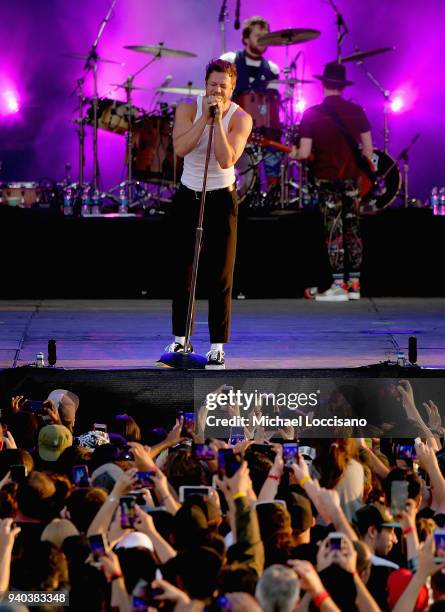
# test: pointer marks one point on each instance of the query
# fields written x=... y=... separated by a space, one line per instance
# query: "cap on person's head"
x=300 y=511
x=135 y=539
x=66 y=403
x=92 y=439
x=57 y=531
x=373 y=515
x=53 y=440
x=334 y=75
x=397 y=583
x=106 y=475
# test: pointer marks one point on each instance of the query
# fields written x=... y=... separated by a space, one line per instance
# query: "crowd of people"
x=119 y=518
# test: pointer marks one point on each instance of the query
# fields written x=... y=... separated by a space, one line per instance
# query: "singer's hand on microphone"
x=213 y=107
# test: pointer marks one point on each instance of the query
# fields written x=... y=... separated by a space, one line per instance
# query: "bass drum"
x=387 y=183
x=246 y=173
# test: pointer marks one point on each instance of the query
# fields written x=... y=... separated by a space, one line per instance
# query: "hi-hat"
x=289 y=81
x=159 y=51
x=358 y=56
x=186 y=91
x=81 y=56
x=291 y=36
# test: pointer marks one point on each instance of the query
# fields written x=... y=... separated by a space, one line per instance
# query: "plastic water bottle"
x=85 y=210
x=68 y=202
x=123 y=202
x=442 y=201
x=95 y=203
x=434 y=200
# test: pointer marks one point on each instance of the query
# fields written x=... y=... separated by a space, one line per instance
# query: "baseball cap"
x=66 y=402
x=53 y=440
x=373 y=515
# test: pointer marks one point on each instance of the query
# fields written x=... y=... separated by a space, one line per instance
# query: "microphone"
x=212 y=110
x=237 y=22
x=52 y=352
x=167 y=80
x=412 y=349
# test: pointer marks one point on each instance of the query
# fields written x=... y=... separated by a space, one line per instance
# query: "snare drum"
x=264 y=107
x=23 y=195
x=154 y=159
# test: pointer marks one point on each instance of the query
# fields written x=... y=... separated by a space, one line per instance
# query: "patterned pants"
x=339 y=206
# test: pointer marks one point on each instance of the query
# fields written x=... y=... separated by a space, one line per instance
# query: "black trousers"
x=217 y=258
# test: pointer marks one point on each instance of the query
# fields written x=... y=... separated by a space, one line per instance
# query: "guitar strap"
x=361 y=162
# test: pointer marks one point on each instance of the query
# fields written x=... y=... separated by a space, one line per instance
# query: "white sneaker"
x=176 y=347
x=215 y=360
x=333 y=294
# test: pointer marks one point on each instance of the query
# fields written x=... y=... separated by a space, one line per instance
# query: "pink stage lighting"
x=397 y=103
x=300 y=105
x=11 y=103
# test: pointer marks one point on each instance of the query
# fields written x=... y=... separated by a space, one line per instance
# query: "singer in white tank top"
x=190 y=138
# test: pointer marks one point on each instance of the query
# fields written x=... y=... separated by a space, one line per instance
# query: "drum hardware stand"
x=342 y=29
x=405 y=156
x=387 y=95
x=128 y=86
x=187 y=360
x=223 y=15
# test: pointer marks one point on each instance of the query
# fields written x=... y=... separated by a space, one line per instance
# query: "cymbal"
x=289 y=81
x=358 y=56
x=187 y=91
x=159 y=50
x=291 y=36
x=81 y=56
x=126 y=86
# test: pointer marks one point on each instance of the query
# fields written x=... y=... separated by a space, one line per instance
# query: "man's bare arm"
x=229 y=147
x=186 y=134
x=366 y=140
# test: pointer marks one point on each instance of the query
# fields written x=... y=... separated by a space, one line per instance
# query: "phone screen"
x=81 y=476
x=228 y=462
x=145 y=479
x=405 y=451
x=128 y=515
x=190 y=491
x=335 y=542
x=203 y=452
x=97 y=546
x=439 y=541
x=189 y=420
x=290 y=453
x=35 y=406
x=399 y=496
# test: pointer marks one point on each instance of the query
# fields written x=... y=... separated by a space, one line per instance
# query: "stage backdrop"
x=37 y=78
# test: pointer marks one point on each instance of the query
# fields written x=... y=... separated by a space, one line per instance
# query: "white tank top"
x=193 y=172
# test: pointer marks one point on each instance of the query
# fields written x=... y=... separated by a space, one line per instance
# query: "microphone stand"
x=188 y=360
x=342 y=29
x=404 y=154
x=223 y=14
x=91 y=63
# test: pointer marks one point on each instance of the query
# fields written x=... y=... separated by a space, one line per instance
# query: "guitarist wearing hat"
x=337 y=133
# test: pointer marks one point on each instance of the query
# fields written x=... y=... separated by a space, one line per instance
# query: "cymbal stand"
x=387 y=95
x=81 y=132
x=91 y=64
x=223 y=14
x=342 y=29
x=404 y=154
x=128 y=86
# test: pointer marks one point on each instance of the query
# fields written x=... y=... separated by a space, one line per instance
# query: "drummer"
x=254 y=74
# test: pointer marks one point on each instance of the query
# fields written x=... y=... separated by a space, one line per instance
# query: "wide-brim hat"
x=334 y=74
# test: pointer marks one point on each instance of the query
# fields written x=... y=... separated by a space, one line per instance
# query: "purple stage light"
x=397 y=104
x=301 y=105
x=10 y=103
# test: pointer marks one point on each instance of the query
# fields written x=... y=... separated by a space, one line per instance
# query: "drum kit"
x=152 y=168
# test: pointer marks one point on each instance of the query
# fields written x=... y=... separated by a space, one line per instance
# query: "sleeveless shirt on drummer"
x=193 y=173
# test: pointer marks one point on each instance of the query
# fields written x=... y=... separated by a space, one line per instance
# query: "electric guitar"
x=366 y=179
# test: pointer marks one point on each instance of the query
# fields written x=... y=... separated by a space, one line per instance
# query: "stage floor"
x=111 y=334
